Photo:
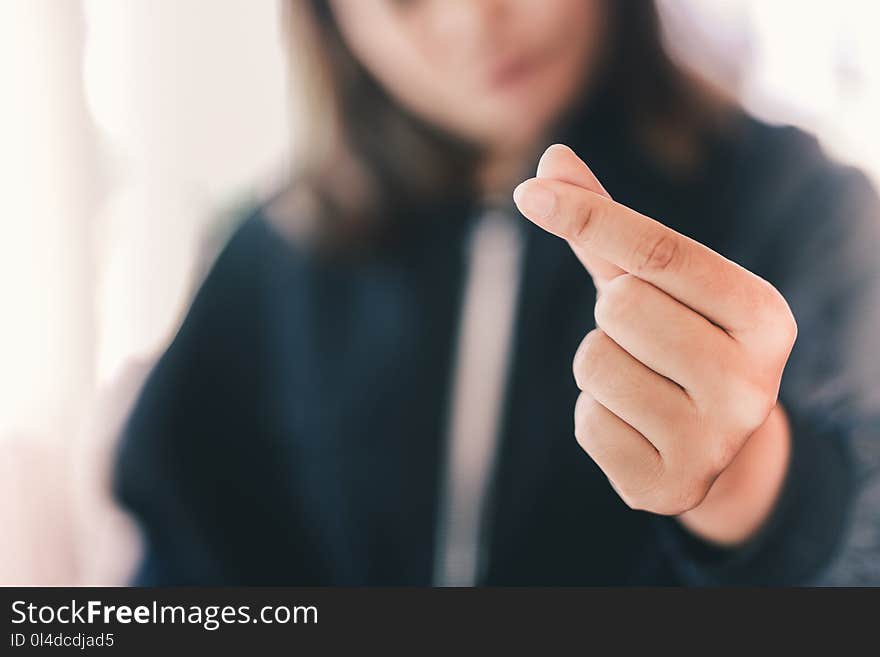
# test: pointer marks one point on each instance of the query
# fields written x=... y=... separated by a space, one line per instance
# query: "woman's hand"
x=680 y=378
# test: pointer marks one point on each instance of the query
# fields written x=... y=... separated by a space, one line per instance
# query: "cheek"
x=407 y=61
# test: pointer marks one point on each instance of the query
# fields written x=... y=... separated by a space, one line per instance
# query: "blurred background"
x=132 y=132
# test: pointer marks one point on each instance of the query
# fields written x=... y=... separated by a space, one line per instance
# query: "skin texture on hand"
x=743 y=495
x=679 y=381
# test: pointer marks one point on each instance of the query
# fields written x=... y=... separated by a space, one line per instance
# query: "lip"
x=513 y=71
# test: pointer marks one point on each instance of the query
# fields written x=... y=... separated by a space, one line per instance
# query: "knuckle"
x=634 y=498
x=586 y=420
x=689 y=496
x=719 y=455
x=642 y=494
x=658 y=252
x=790 y=331
x=668 y=494
x=616 y=300
x=634 y=503
x=589 y=214
x=771 y=300
x=639 y=500
x=774 y=312
x=761 y=299
x=683 y=497
x=785 y=325
x=747 y=405
x=622 y=286
x=589 y=356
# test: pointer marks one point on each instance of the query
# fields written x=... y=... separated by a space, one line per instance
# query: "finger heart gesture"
x=686 y=360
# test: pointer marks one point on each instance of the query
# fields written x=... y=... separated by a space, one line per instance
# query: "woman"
x=374 y=384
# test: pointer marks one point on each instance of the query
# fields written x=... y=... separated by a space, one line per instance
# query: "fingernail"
x=534 y=199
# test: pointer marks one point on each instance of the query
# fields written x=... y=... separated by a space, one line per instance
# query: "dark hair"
x=359 y=150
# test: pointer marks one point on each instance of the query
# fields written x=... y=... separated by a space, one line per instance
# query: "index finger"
x=717 y=288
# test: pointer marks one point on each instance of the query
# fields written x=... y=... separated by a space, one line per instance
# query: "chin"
x=516 y=131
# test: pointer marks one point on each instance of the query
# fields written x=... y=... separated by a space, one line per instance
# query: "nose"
x=471 y=21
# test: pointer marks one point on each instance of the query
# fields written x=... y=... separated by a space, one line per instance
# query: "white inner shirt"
x=485 y=332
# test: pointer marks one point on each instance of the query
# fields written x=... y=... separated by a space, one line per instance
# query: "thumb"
x=561 y=163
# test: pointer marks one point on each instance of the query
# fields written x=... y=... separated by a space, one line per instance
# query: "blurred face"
x=495 y=72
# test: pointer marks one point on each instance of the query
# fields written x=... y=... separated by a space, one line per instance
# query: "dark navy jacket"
x=292 y=432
